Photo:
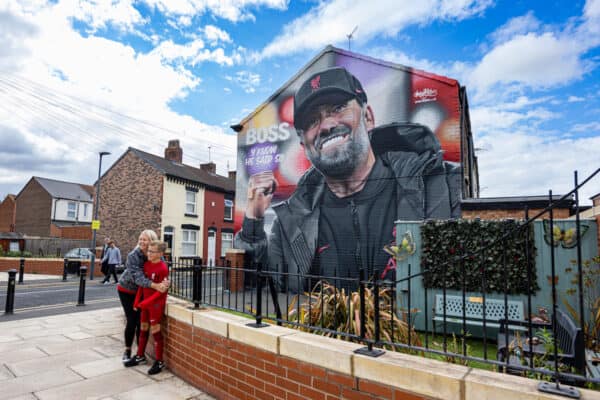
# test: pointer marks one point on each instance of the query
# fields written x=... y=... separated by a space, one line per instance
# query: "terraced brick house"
x=190 y=208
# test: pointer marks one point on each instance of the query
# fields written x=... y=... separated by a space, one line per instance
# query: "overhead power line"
x=54 y=106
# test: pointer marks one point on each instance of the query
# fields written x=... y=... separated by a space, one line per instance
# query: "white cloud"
x=591 y=127
x=100 y=13
x=215 y=35
x=519 y=163
x=330 y=22
x=232 y=10
x=63 y=92
x=523 y=58
x=575 y=99
x=516 y=26
x=246 y=80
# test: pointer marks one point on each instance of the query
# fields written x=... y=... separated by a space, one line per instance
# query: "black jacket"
x=427 y=187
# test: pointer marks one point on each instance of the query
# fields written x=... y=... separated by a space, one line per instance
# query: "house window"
x=190 y=202
x=71 y=210
x=85 y=208
x=228 y=209
x=189 y=239
x=226 y=242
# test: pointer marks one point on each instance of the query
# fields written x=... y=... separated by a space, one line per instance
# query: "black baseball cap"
x=326 y=87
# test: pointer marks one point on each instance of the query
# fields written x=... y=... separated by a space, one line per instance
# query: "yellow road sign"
x=95 y=224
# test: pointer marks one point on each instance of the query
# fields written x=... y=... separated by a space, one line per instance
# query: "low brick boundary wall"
x=217 y=353
x=45 y=266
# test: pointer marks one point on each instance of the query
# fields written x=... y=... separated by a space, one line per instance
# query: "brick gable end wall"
x=7 y=215
x=130 y=201
x=34 y=210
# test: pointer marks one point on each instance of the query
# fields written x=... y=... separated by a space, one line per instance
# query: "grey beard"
x=346 y=158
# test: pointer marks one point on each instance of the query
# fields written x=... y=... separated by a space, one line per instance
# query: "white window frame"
x=189 y=241
x=226 y=238
x=190 y=206
x=228 y=207
x=71 y=213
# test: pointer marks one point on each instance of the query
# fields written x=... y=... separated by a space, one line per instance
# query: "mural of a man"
x=343 y=210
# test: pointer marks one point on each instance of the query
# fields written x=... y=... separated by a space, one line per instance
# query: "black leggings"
x=132 y=326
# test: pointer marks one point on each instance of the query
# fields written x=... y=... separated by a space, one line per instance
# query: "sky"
x=80 y=77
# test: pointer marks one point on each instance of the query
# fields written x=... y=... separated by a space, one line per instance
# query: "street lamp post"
x=93 y=260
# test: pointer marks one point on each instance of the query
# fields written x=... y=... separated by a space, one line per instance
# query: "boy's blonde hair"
x=160 y=245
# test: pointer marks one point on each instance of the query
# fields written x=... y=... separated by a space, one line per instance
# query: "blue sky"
x=79 y=77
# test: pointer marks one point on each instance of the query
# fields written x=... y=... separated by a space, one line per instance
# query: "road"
x=39 y=298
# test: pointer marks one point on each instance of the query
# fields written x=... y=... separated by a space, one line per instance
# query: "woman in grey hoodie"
x=132 y=278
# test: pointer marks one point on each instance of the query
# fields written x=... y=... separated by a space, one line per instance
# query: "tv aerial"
x=350 y=35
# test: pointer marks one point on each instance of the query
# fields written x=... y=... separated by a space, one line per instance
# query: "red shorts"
x=153 y=314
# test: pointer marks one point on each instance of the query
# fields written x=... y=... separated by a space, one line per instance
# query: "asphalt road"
x=53 y=296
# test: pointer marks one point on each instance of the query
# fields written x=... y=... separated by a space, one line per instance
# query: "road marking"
x=59 y=305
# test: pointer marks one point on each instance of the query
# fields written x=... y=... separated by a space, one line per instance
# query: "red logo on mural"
x=315 y=83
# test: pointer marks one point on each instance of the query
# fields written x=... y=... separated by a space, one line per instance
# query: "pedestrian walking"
x=112 y=257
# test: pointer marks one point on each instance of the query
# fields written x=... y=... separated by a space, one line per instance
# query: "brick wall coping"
x=417 y=375
x=46 y=259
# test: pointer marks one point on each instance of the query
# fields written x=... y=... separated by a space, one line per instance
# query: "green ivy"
x=444 y=243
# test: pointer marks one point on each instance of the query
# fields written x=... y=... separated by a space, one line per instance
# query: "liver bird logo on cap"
x=315 y=83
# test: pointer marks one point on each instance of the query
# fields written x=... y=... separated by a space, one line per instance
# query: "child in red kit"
x=152 y=305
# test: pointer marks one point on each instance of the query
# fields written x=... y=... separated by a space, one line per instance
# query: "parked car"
x=79 y=253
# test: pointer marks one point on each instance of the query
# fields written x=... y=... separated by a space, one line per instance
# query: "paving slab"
x=97 y=387
x=22 y=354
x=56 y=377
x=78 y=356
x=38 y=365
x=169 y=389
x=98 y=367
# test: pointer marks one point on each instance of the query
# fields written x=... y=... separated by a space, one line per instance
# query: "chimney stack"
x=209 y=167
x=231 y=175
x=173 y=152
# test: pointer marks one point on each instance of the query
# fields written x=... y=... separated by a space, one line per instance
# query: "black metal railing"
x=365 y=309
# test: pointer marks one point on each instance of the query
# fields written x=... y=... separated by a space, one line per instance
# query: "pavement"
x=78 y=356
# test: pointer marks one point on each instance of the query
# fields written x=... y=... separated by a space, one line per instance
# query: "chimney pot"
x=232 y=175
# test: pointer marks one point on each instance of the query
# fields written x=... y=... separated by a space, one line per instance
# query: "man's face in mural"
x=335 y=136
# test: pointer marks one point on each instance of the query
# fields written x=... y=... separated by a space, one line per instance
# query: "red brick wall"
x=516 y=214
x=214 y=218
x=34 y=210
x=228 y=369
x=7 y=214
x=77 y=232
x=45 y=266
x=129 y=191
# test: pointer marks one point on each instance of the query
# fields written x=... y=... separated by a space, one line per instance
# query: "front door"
x=212 y=245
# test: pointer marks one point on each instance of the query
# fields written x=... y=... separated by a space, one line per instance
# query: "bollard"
x=10 y=292
x=65 y=269
x=21 y=270
x=82 y=273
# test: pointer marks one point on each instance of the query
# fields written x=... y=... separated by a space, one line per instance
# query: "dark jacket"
x=427 y=187
x=133 y=276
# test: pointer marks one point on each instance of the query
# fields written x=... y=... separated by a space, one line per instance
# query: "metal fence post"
x=197 y=281
x=10 y=292
x=21 y=270
x=81 y=298
x=368 y=350
x=65 y=269
x=258 y=323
